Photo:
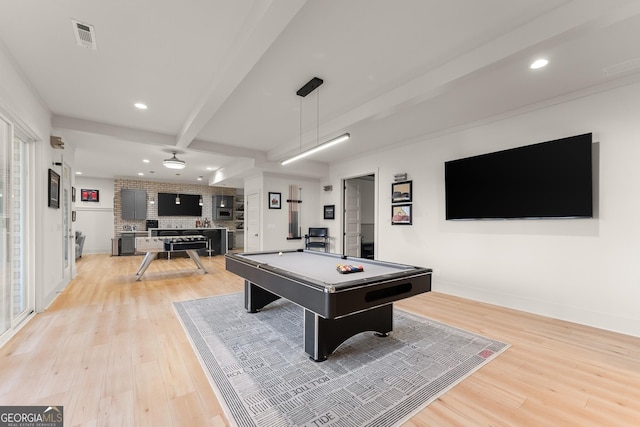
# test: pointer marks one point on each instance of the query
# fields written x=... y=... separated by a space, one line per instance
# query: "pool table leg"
x=256 y=297
x=323 y=336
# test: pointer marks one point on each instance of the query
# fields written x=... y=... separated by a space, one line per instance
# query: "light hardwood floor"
x=112 y=352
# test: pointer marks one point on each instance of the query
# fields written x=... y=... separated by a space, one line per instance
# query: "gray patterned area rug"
x=263 y=377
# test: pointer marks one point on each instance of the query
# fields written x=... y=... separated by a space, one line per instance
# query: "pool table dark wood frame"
x=332 y=313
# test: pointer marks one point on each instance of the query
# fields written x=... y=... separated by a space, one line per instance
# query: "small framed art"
x=329 y=211
x=54 y=190
x=87 y=195
x=401 y=192
x=401 y=214
x=275 y=200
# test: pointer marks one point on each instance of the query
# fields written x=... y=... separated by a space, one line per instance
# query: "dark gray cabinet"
x=223 y=201
x=134 y=204
x=223 y=208
x=128 y=244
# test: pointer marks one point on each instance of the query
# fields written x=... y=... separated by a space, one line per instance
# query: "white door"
x=16 y=291
x=252 y=221
x=352 y=213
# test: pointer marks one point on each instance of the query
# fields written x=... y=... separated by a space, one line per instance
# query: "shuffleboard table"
x=336 y=305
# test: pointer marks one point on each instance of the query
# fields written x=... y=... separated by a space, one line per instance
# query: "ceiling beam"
x=568 y=20
x=119 y=132
x=267 y=20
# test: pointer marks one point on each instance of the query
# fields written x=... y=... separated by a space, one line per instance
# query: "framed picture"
x=73 y=194
x=329 y=211
x=275 y=200
x=87 y=195
x=54 y=190
x=401 y=214
x=73 y=216
x=401 y=192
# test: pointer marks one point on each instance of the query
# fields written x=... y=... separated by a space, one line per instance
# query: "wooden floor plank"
x=111 y=350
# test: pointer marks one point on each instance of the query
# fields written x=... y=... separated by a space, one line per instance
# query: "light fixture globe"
x=174 y=162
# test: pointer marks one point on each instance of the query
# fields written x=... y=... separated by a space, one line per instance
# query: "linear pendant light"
x=317 y=148
x=305 y=90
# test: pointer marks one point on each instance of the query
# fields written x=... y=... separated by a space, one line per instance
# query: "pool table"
x=336 y=306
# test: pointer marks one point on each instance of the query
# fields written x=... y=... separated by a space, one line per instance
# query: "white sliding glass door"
x=16 y=299
x=5 y=238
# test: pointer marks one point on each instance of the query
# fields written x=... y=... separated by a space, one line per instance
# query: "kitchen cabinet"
x=223 y=208
x=134 y=204
x=128 y=244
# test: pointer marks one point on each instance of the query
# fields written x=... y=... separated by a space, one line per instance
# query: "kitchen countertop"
x=190 y=228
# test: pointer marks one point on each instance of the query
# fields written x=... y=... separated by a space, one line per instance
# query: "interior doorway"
x=252 y=222
x=359 y=216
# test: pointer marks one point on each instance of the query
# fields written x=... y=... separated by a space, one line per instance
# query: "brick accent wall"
x=153 y=188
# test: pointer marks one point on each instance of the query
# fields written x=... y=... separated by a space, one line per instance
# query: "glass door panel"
x=18 y=230
x=5 y=254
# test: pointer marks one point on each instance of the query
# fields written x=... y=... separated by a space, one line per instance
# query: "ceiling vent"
x=85 y=34
x=623 y=67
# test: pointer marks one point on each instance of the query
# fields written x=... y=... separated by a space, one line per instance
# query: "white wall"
x=95 y=219
x=45 y=224
x=274 y=222
x=581 y=270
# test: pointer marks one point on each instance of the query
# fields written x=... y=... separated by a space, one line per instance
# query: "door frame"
x=252 y=197
x=376 y=192
x=67 y=227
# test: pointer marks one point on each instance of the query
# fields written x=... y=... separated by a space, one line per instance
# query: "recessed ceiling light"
x=146 y=161
x=538 y=63
x=78 y=173
x=199 y=178
x=140 y=106
x=140 y=174
x=209 y=168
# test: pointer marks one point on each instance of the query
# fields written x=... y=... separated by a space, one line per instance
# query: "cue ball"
x=279 y=253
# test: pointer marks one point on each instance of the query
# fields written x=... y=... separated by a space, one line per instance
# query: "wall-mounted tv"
x=547 y=180
x=189 y=205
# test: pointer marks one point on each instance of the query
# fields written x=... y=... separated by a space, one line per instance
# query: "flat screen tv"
x=189 y=205
x=546 y=180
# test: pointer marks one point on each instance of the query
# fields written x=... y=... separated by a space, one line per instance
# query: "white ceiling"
x=220 y=76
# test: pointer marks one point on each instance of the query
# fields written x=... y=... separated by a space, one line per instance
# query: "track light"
x=317 y=148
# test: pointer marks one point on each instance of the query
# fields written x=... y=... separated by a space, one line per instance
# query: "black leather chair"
x=318 y=238
x=192 y=233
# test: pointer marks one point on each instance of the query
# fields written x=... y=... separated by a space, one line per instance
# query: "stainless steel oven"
x=224 y=214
